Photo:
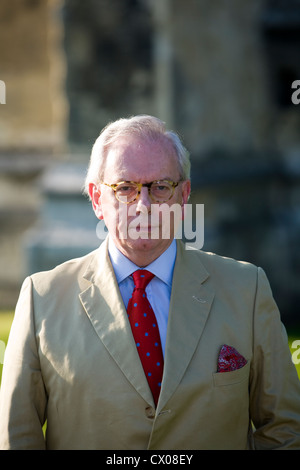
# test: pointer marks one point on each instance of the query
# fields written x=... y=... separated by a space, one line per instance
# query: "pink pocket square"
x=229 y=359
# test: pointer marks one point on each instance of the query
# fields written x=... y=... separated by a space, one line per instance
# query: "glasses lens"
x=126 y=192
x=161 y=191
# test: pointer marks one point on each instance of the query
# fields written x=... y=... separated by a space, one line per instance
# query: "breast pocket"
x=229 y=378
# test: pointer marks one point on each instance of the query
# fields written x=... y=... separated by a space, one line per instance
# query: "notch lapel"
x=190 y=305
x=104 y=306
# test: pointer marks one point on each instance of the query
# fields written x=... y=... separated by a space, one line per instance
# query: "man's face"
x=134 y=159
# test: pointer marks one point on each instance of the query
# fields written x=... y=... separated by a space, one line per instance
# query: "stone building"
x=221 y=75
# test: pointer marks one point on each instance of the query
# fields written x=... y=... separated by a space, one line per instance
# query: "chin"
x=151 y=246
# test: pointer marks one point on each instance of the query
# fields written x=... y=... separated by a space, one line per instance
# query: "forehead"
x=136 y=159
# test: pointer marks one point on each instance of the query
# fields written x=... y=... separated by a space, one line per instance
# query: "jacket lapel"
x=104 y=306
x=190 y=305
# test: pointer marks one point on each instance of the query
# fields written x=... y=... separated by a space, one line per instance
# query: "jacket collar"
x=190 y=304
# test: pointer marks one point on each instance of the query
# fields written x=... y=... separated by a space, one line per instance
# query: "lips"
x=144 y=232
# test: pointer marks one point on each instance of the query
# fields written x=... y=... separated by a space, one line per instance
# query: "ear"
x=186 y=191
x=95 y=196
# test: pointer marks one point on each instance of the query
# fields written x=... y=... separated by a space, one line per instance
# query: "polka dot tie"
x=145 y=331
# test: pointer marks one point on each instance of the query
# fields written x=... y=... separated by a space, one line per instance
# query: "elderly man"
x=144 y=344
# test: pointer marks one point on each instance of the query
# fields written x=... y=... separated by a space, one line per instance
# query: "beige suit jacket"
x=71 y=359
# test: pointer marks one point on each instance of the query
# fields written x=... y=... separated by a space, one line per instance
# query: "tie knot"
x=141 y=278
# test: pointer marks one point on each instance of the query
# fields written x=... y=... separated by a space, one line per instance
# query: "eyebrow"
x=146 y=182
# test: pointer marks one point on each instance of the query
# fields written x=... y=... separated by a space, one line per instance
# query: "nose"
x=144 y=201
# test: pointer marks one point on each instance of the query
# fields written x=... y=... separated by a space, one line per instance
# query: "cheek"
x=108 y=208
x=114 y=213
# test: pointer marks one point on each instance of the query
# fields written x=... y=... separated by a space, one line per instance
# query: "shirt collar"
x=162 y=267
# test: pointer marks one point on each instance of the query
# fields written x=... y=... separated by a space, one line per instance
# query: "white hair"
x=142 y=126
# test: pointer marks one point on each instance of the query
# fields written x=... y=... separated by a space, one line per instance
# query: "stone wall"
x=32 y=123
x=108 y=46
x=32 y=66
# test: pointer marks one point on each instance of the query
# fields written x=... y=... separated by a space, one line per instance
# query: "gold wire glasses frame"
x=129 y=191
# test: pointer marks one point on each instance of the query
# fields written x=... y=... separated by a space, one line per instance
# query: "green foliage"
x=6 y=319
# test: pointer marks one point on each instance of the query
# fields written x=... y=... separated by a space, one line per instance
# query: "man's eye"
x=125 y=189
x=160 y=187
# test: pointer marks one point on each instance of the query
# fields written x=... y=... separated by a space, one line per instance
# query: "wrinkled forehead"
x=158 y=143
x=135 y=159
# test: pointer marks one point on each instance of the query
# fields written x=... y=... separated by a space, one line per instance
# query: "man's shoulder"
x=63 y=274
x=220 y=261
x=220 y=266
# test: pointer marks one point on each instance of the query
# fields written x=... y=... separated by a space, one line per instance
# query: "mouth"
x=147 y=228
x=144 y=232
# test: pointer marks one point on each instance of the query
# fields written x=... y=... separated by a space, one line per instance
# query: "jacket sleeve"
x=274 y=386
x=22 y=396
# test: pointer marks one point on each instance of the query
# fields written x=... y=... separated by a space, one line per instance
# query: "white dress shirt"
x=158 y=290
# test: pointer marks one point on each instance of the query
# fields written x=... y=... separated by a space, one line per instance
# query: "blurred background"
x=219 y=73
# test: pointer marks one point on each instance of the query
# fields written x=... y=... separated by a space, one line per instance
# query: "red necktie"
x=145 y=331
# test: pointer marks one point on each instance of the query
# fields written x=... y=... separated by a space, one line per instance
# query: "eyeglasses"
x=129 y=191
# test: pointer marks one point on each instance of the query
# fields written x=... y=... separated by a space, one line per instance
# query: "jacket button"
x=150 y=412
